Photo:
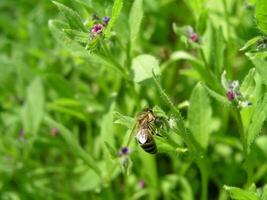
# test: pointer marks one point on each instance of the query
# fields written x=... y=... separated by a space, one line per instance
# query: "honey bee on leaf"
x=147 y=126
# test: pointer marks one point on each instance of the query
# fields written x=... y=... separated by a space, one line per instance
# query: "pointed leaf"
x=143 y=66
x=72 y=17
x=250 y=43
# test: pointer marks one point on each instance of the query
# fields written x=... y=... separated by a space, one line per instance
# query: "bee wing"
x=142 y=136
x=131 y=134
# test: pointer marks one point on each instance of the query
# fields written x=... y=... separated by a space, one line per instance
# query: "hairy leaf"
x=258 y=117
x=71 y=16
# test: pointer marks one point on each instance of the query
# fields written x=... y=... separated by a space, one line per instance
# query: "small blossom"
x=194 y=37
x=124 y=151
x=230 y=95
x=141 y=184
x=233 y=92
x=53 y=131
x=97 y=29
x=106 y=19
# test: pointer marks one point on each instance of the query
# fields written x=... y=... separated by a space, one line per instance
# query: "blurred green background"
x=43 y=79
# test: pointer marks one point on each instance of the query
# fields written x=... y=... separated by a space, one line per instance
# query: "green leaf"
x=56 y=27
x=250 y=43
x=259 y=60
x=240 y=194
x=72 y=17
x=135 y=19
x=77 y=36
x=217 y=46
x=33 y=109
x=202 y=22
x=248 y=85
x=68 y=111
x=256 y=122
x=143 y=66
x=218 y=97
x=60 y=85
x=261 y=15
x=116 y=9
x=123 y=120
x=199 y=115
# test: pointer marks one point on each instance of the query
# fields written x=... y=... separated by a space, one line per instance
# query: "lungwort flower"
x=233 y=92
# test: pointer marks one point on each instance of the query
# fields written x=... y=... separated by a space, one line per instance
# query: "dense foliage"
x=75 y=74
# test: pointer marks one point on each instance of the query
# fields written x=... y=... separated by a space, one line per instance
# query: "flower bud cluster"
x=99 y=26
x=233 y=92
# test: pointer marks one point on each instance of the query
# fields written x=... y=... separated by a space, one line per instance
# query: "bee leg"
x=158 y=134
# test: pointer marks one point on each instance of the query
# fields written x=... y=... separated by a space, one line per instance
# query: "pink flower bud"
x=97 y=29
x=230 y=95
x=194 y=37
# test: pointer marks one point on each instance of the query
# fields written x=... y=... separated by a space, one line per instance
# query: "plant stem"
x=202 y=164
x=241 y=131
x=247 y=164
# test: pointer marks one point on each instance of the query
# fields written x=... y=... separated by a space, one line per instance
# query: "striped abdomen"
x=150 y=146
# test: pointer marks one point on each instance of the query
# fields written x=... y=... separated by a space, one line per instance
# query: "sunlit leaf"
x=143 y=67
x=199 y=115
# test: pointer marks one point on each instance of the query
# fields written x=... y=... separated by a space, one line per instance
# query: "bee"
x=146 y=131
x=147 y=126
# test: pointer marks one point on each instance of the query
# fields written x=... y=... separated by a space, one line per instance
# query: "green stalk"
x=247 y=165
x=202 y=165
x=241 y=130
x=110 y=57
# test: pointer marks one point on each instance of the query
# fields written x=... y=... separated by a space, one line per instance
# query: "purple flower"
x=53 y=131
x=124 y=151
x=230 y=95
x=97 y=29
x=106 y=19
x=141 y=183
x=194 y=37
